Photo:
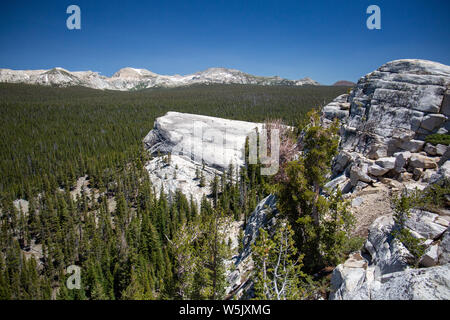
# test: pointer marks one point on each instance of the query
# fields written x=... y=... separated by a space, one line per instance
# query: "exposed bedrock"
x=214 y=141
x=386 y=118
x=199 y=145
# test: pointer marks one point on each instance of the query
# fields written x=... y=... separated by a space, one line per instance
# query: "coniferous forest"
x=130 y=242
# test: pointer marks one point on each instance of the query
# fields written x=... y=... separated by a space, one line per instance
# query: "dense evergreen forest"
x=145 y=246
x=57 y=134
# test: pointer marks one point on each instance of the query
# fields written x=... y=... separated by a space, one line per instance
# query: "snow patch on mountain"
x=132 y=78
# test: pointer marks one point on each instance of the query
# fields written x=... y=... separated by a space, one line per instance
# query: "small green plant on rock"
x=438 y=138
x=402 y=206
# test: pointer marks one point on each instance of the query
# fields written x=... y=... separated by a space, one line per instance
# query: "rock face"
x=389 y=113
x=382 y=270
x=132 y=78
x=338 y=108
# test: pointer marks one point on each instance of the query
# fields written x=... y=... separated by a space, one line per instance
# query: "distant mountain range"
x=134 y=79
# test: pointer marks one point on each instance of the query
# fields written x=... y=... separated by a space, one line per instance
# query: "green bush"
x=438 y=138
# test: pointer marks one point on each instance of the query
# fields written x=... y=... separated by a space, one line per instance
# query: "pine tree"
x=301 y=201
x=279 y=274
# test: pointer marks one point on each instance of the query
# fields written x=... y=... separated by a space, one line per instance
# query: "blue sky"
x=326 y=40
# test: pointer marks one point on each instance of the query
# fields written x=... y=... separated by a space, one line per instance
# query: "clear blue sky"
x=326 y=40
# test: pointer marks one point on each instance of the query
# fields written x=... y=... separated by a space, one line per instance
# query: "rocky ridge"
x=134 y=79
x=385 y=120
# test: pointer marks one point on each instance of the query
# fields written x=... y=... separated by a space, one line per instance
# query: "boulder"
x=418 y=160
x=393 y=107
x=348 y=277
x=424 y=223
x=341 y=161
x=412 y=145
x=359 y=173
x=433 y=121
x=430 y=257
x=444 y=248
x=401 y=159
x=377 y=171
x=341 y=182
x=405 y=176
x=387 y=162
x=417 y=172
x=427 y=175
x=215 y=142
x=445 y=157
x=442 y=174
x=377 y=150
x=430 y=149
x=414 y=284
x=387 y=253
x=441 y=149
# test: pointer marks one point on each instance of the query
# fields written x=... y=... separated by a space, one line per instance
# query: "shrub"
x=438 y=138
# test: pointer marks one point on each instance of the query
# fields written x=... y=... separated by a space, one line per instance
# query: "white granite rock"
x=424 y=223
x=396 y=104
x=433 y=121
x=401 y=159
x=444 y=248
x=358 y=172
x=180 y=174
x=414 y=284
x=377 y=171
x=430 y=257
x=386 y=162
x=418 y=160
x=441 y=149
x=214 y=141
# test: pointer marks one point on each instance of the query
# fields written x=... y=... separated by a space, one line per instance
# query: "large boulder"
x=418 y=160
x=215 y=142
x=376 y=170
